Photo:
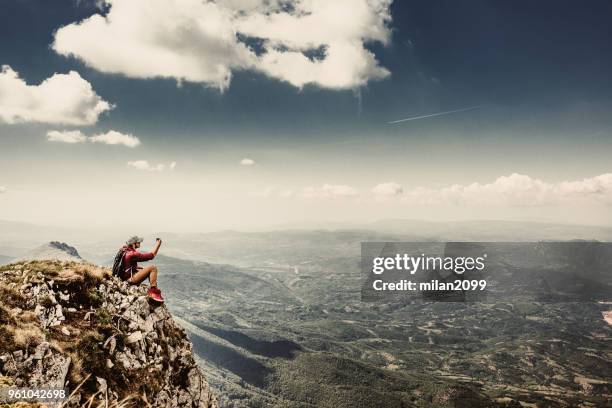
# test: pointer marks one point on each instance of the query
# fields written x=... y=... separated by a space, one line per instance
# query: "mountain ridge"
x=52 y=250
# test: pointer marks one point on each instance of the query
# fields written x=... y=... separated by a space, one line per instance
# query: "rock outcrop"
x=71 y=325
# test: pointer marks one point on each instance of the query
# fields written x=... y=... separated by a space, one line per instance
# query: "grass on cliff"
x=19 y=330
x=19 y=326
x=89 y=325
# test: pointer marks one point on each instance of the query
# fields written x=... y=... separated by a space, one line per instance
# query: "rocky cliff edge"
x=71 y=325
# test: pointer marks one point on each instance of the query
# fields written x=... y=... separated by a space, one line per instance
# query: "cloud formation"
x=66 y=136
x=247 y=162
x=514 y=190
x=112 y=137
x=203 y=42
x=332 y=55
x=60 y=99
x=389 y=189
x=3 y=189
x=517 y=190
x=329 y=191
x=144 y=165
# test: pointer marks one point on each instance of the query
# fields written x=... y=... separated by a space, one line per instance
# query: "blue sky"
x=309 y=104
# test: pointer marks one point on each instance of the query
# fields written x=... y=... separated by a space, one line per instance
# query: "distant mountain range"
x=246 y=248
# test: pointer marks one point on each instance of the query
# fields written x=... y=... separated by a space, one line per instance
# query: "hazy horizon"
x=299 y=225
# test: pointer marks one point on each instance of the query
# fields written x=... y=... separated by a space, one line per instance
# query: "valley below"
x=291 y=330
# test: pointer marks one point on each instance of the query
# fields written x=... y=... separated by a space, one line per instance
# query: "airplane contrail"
x=434 y=114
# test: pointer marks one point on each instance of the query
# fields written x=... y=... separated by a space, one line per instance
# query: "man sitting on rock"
x=135 y=274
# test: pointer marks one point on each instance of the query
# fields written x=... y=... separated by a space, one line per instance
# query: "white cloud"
x=60 y=99
x=505 y=191
x=66 y=136
x=247 y=162
x=343 y=62
x=113 y=137
x=329 y=191
x=144 y=165
x=3 y=189
x=302 y=41
x=387 y=189
x=517 y=190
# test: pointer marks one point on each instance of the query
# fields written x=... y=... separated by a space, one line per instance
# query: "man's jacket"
x=131 y=257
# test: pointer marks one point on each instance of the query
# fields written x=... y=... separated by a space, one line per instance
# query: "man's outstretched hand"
x=158 y=243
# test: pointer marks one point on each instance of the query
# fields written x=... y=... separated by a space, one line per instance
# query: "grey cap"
x=134 y=240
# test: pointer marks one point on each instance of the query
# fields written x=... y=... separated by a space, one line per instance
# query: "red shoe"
x=155 y=294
